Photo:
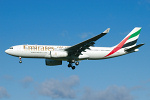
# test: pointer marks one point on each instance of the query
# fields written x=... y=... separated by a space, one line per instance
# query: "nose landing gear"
x=20 y=60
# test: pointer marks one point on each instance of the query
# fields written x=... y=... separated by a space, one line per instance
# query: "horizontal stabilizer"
x=133 y=48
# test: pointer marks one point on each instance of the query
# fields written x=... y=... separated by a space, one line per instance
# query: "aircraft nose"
x=6 y=51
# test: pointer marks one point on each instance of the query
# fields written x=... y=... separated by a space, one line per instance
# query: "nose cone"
x=7 y=51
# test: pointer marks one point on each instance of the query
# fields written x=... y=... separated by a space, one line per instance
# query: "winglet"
x=107 y=30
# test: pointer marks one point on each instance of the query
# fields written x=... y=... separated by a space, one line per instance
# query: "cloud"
x=85 y=35
x=3 y=93
x=111 y=93
x=144 y=3
x=67 y=88
x=147 y=1
x=59 y=89
x=27 y=81
x=146 y=81
x=140 y=2
x=64 y=33
x=8 y=77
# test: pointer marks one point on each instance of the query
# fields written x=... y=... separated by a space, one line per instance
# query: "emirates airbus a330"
x=54 y=55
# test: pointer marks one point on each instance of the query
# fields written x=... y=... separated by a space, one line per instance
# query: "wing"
x=80 y=47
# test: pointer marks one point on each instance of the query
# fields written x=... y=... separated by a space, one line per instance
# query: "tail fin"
x=131 y=39
x=128 y=42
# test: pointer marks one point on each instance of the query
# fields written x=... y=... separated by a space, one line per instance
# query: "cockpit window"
x=11 y=48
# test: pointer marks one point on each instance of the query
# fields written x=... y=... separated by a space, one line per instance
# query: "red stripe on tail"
x=118 y=46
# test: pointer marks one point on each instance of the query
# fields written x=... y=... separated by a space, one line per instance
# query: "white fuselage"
x=54 y=55
x=58 y=53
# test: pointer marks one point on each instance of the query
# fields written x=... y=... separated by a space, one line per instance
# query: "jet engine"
x=50 y=62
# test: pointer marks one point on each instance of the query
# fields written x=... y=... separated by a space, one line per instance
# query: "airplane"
x=54 y=55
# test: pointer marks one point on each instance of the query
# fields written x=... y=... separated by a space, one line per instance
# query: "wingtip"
x=142 y=43
x=107 y=30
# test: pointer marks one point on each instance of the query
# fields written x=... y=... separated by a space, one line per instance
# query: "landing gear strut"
x=20 y=60
x=70 y=64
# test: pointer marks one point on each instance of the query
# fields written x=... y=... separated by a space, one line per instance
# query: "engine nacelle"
x=57 y=54
x=50 y=62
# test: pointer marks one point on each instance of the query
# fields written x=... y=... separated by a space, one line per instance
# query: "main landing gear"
x=70 y=64
x=20 y=60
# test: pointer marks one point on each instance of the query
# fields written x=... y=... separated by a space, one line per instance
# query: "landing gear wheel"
x=20 y=61
x=73 y=61
x=69 y=65
x=73 y=67
x=77 y=63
